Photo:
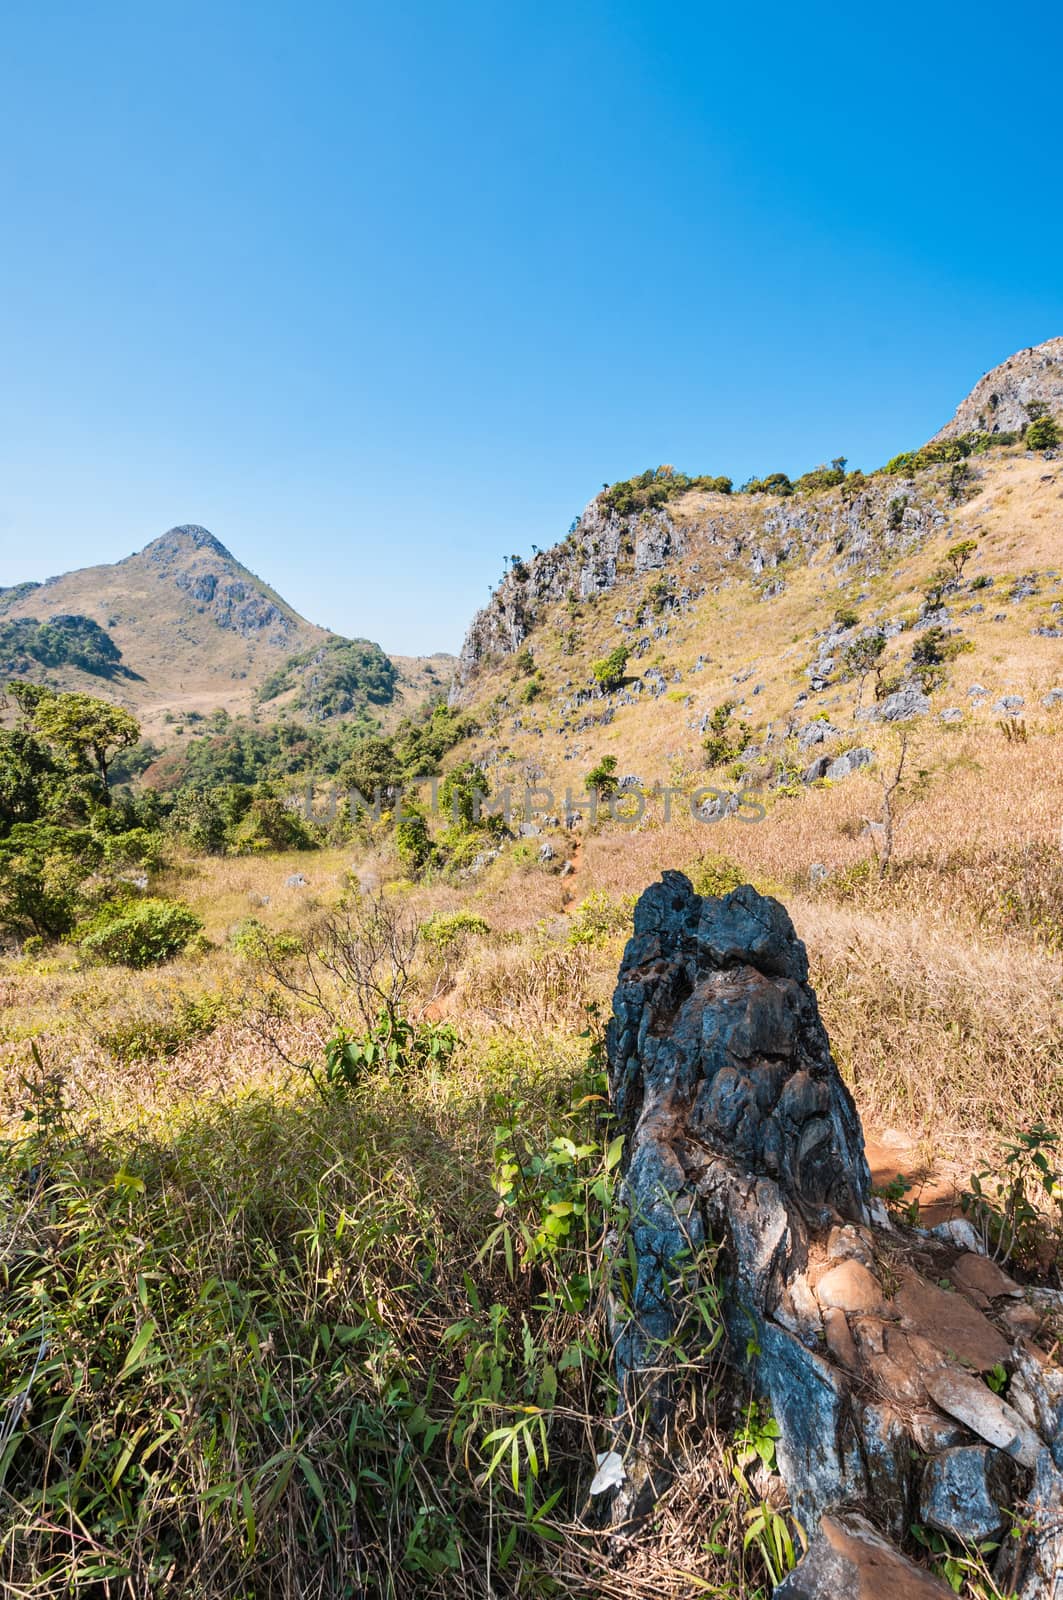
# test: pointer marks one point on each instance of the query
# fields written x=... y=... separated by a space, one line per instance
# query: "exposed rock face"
x=205 y=570
x=757 y=533
x=1001 y=401
x=745 y=1173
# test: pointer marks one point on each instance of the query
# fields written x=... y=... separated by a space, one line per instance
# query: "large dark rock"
x=745 y=1182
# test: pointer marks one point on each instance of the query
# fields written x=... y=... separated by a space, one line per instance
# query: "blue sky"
x=380 y=295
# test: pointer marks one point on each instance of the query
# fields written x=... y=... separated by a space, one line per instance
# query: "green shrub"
x=599 y=917
x=139 y=933
x=715 y=874
x=655 y=487
x=268 y=824
x=724 y=742
x=1042 y=434
x=43 y=870
x=392 y=1045
x=136 y=847
x=602 y=778
x=447 y=928
x=774 y=483
x=609 y=671
x=144 y=1035
x=413 y=841
x=253 y=941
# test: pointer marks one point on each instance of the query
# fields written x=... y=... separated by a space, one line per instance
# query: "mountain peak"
x=1012 y=394
x=186 y=536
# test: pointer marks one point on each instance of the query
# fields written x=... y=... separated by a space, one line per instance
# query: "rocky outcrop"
x=1013 y=394
x=745 y=1180
x=754 y=534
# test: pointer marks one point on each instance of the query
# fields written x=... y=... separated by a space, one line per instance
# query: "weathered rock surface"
x=849 y=1560
x=965 y=1491
x=745 y=1172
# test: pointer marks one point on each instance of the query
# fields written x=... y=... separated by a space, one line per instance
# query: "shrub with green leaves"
x=448 y=928
x=609 y=671
x=139 y=933
x=599 y=917
x=602 y=778
x=715 y=874
x=43 y=873
x=1042 y=434
x=724 y=741
x=393 y=1045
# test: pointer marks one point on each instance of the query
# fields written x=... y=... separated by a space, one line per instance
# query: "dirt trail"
x=568 y=893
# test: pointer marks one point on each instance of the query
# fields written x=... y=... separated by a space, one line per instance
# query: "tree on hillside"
x=371 y=764
x=87 y=732
x=609 y=671
x=862 y=658
x=958 y=555
x=1042 y=434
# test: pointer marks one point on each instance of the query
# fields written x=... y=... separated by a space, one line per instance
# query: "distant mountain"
x=1026 y=386
x=182 y=628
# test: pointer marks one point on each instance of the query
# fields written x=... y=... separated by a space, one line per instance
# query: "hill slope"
x=753 y=600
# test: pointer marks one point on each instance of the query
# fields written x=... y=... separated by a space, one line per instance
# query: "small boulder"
x=951 y=714
x=976 y=1272
x=904 y=705
x=849 y=1286
x=964 y=1490
x=816 y=769
x=295 y=881
x=951 y=1324
x=968 y=1400
x=1009 y=704
x=815 y=733
x=844 y=765
x=959 y=1231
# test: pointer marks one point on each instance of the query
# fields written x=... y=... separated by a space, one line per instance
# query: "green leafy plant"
x=609 y=671
x=393 y=1045
x=599 y=918
x=602 y=777
x=1042 y=434
x=725 y=739
x=1018 y=1204
x=444 y=929
x=139 y=933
